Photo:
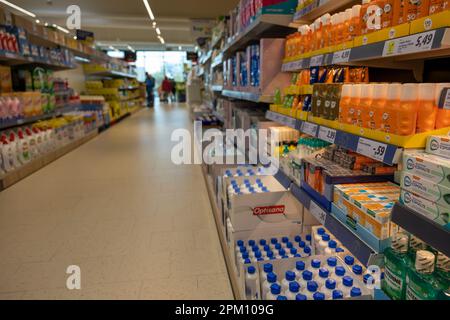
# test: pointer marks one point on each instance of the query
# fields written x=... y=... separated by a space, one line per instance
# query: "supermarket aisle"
x=136 y=225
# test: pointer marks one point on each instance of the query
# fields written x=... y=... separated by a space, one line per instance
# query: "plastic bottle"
x=326 y=26
x=330 y=286
x=323 y=244
x=323 y=276
x=391 y=109
x=421 y=284
x=306 y=277
x=299 y=268
x=351 y=118
x=315 y=266
x=407 y=112
x=373 y=118
x=275 y=291
x=273 y=243
x=355 y=26
x=289 y=277
x=347 y=17
x=332 y=245
x=267 y=269
x=339 y=273
x=365 y=104
x=338 y=295
x=396 y=265
x=443 y=115
x=307 y=251
x=398 y=12
x=270 y=280
x=364 y=16
x=427 y=111
x=415 y=244
x=355 y=292
x=340 y=31
x=294 y=289
x=318 y=235
x=344 y=104
x=251 y=284
x=346 y=286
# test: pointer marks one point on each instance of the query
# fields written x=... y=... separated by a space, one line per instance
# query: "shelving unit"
x=111 y=74
x=321 y=7
x=248 y=96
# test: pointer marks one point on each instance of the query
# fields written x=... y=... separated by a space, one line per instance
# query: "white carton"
x=431 y=167
x=426 y=189
x=439 y=145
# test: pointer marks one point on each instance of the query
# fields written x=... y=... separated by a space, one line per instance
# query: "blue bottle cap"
x=368 y=279
x=300 y=265
x=301 y=244
x=297 y=255
x=264 y=189
x=274 y=241
x=278 y=246
x=240 y=243
x=326 y=237
x=257 y=180
x=243 y=249
x=338 y=294
x=245 y=255
x=272 y=277
x=294 y=287
x=227 y=172
x=308 y=238
x=301 y=297
x=332 y=261
x=315 y=263
x=269 y=254
x=258 y=254
x=251 y=189
x=247 y=261
x=282 y=252
x=246 y=180
x=321 y=231
x=266 y=248
x=319 y=296
x=357 y=269
x=255 y=248
x=307 y=250
x=293 y=251
x=275 y=289
x=349 y=260
x=312 y=286
x=355 y=292
x=268 y=268
x=332 y=244
x=338 y=250
x=285 y=240
x=251 y=243
x=281 y=298
x=330 y=284
x=347 y=281
x=307 y=275
x=298 y=239
x=340 y=271
x=262 y=242
x=324 y=273
x=260 y=259
x=289 y=245
x=290 y=276
x=251 y=270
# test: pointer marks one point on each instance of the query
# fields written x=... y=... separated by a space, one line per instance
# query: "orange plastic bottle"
x=386 y=13
x=407 y=112
x=423 y=9
x=326 y=20
x=333 y=30
x=354 y=103
x=376 y=111
x=410 y=10
x=344 y=104
x=355 y=26
x=443 y=117
x=392 y=108
x=436 y=6
x=340 y=25
x=364 y=16
x=427 y=112
x=398 y=12
x=318 y=32
x=346 y=35
x=364 y=107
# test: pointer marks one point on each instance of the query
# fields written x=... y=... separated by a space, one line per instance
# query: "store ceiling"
x=126 y=22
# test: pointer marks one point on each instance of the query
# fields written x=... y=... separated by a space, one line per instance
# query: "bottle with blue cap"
x=318 y=234
x=349 y=260
x=331 y=263
x=275 y=291
x=330 y=286
x=307 y=276
x=271 y=279
x=251 y=284
x=339 y=272
x=289 y=277
x=257 y=257
x=355 y=292
x=338 y=295
x=239 y=245
x=323 y=244
x=302 y=244
x=293 y=252
x=309 y=239
x=273 y=243
x=299 y=268
x=307 y=251
x=315 y=266
x=323 y=276
x=357 y=269
x=267 y=268
x=332 y=245
x=262 y=242
x=282 y=298
x=244 y=256
x=281 y=254
x=346 y=286
x=319 y=296
x=294 y=290
x=297 y=239
x=270 y=255
x=311 y=288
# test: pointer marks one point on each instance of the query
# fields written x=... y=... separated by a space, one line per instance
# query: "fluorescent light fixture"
x=75 y=38
x=131 y=48
x=180 y=48
x=62 y=29
x=12 y=5
x=38 y=21
x=46 y=24
x=112 y=48
x=149 y=10
x=154 y=23
x=158 y=31
x=161 y=39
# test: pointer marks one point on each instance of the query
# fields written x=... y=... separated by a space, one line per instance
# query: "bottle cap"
x=242 y=249
x=324 y=273
x=308 y=237
x=321 y=231
x=339 y=250
x=338 y=294
x=278 y=246
x=269 y=254
x=315 y=263
x=247 y=261
x=290 y=276
x=294 y=287
x=275 y=289
x=399 y=242
x=356 y=11
x=317 y=23
x=326 y=237
x=332 y=244
x=427 y=91
x=425 y=261
x=245 y=255
x=251 y=270
x=300 y=265
x=282 y=252
x=348 y=14
x=302 y=244
x=340 y=271
x=368 y=279
x=357 y=269
x=319 y=296
x=307 y=275
x=289 y=245
x=312 y=286
x=268 y=267
x=298 y=239
x=443 y=262
x=340 y=17
x=347 y=90
x=255 y=248
x=293 y=251
x=301 y=297
x=262 y=242
x=410 y=92
x=394 y=92
x=274 y=241
x=330 y=284
x=438 y=92
x=266 y=248
x=251 y=243
x=355 y=292
x=272 y=277
x=349 y=260
x=347 y=281
x=380 y=90
x=281 y=298
x=332 y=261
x=258 y=254
x=285 y=240
x=240 y=243
x=307 y=250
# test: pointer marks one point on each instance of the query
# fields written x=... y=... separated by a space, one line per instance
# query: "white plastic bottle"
x=307 y=251
x=323 y=244
x=318 y=235
x=299 y=268
x=275 y=291
x=281 y=254
x=323 y=276
x=289 y=277
x=311 y=288
x=273 y=243
x=331 y=249
x=330 y=286
x=251 y=284
x=271 y=279
x=331 y=264
x=315 y=266
x=267 y=269
x=294 y=290
x=307 y=276
x=346 y=286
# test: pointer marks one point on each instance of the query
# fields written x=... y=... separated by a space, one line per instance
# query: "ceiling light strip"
x=149 y=10
x=12 y=5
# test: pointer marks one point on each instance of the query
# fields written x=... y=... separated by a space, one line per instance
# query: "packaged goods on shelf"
x=432 y=167
x=325 y=243
x=5 y=79
x=425 y=188
x=439 y=146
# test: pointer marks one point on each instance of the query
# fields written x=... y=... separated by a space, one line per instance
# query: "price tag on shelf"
x=372 y=149
x=316 y=61
x=290 y=122
x=310 y=128
x=341 y=56
x=415 y=43
x=318 y=212
x=327 y=134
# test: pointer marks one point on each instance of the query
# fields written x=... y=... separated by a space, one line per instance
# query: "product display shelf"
x=386 y=153
x=205 y=58
x=247 y=96
x=218 y=61
x=319 y=7
x=223 y=242
x=266 y=25
x=26 y=170
x=14 y=59
x=111 y=74
x=217 y=88
x=129 y=89
x=20 y=122
x=400 y=53
x=219 y=116
x=422 y=227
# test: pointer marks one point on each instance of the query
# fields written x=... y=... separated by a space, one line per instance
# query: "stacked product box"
x=425 y=181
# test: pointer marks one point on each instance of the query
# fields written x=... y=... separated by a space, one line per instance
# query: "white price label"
x=341 y=56
x=318 y=212
x=446 y=103
x=309 y=128
x=415 y=43
x=286 y=67
x=290 y=122
x=316 y=61
x=327 y=134
x=372 y=149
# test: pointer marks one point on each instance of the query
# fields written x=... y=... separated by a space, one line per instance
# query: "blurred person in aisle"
x=166 y=88
x=150 y=86
x=174 y=89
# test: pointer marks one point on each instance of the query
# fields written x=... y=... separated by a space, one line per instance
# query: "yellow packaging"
x=379 y=225
x=5 y=79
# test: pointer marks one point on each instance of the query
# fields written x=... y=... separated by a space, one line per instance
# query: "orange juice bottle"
x=355 y=26
x=423 y=9
x=436 y=6
x=398 y=12
x=407 y=111
x=333 y=29
x=365 y=104
x=386 y=12
x=364 y=16
x=410 y=10
x=373 y=118
x=344 y=104
x=340 y=27
x=443 y=117
x=346 y=35
x=326 y=20
x=427 y=112
x=354 y=104
x=312 y=36
x=392 y=108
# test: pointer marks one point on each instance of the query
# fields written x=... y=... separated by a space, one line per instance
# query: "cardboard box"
x=5 y=79
x=21 y=21
x=439 y=146
x=425 y=188
x=428 y=166
x=430 y=210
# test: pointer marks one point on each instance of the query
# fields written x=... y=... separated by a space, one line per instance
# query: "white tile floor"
x=138 y=226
